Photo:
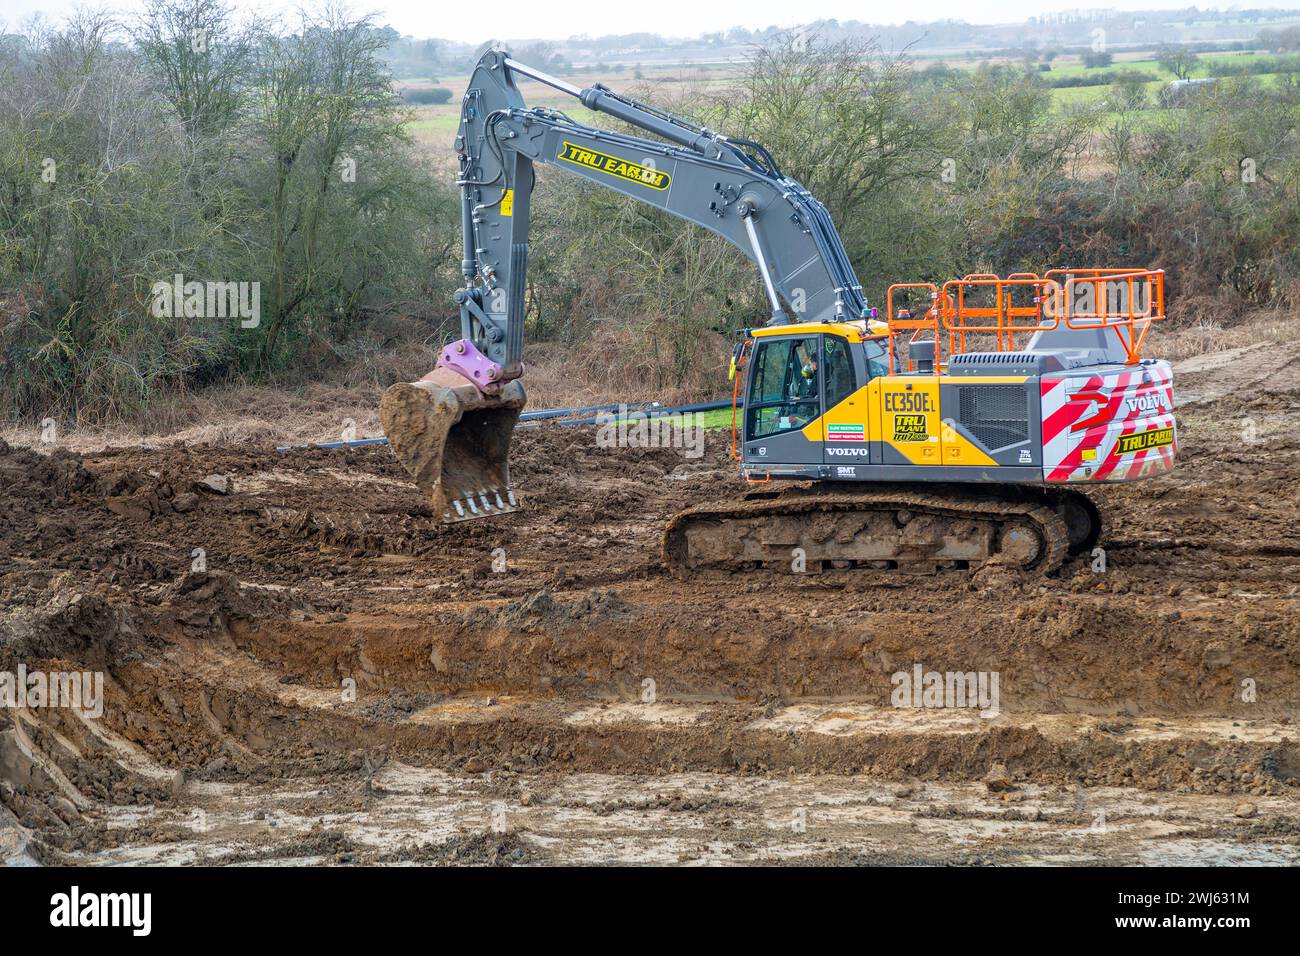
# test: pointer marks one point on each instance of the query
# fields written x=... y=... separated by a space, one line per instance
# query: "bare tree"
x=1178 y=60
x=201 y=59
x=321 y=91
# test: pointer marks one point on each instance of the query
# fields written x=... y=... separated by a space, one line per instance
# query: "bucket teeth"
x=454 y=440
x=482 y=503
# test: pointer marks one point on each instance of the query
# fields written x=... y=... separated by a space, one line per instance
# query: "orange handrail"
x=1005 y=315
x=1127 y=316
x=1054 y=296
x=931 y=321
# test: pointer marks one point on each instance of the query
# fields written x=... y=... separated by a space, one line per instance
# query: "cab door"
x=845 y=431
x=783 y=403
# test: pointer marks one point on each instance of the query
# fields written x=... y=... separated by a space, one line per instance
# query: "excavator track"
x=813 y=528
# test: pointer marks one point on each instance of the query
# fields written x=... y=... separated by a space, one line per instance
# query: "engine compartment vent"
x=996 y=415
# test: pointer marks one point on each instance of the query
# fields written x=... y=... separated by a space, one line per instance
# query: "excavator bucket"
x=454 y=440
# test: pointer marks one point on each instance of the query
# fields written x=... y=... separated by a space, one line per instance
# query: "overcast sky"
x=477 y=20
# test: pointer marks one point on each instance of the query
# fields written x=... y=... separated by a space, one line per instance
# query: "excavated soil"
x=301 y=665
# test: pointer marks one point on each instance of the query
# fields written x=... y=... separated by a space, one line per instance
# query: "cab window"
x=785 y=392
x=841 y=380
x=876 y=352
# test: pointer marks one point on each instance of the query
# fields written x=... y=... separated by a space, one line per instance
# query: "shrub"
x=420 y=97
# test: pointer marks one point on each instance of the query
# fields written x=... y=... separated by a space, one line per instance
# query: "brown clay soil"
x=349 y=682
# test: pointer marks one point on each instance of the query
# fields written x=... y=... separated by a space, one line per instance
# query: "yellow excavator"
x=954 y=431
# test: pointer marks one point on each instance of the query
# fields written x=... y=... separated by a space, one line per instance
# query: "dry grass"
x=264 y=416
x=1205 y=334
x=242 y=415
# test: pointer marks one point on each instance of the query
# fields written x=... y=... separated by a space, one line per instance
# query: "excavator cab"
x=805 y=397
x=1023 y=380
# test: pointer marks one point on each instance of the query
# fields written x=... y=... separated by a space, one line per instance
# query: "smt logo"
x=103 y=909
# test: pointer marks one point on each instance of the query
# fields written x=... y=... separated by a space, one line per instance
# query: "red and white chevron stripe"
x=1085 y=416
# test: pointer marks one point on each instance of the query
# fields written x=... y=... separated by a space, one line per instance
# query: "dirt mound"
x=480 y=849
x=540 y=611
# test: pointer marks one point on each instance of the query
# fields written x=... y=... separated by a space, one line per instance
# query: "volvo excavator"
x=956 y=430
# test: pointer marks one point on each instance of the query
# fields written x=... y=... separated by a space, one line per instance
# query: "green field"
x=1063 y=67
x=436 y=125
x=441 y=121
x=719 y=418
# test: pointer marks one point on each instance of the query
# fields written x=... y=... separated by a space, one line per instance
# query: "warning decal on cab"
x=843 y=432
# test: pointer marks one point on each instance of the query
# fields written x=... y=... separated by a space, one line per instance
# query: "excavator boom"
x=730 y=187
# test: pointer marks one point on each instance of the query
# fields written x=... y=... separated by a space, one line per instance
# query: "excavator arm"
x=452 y=429
x=732 y=188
